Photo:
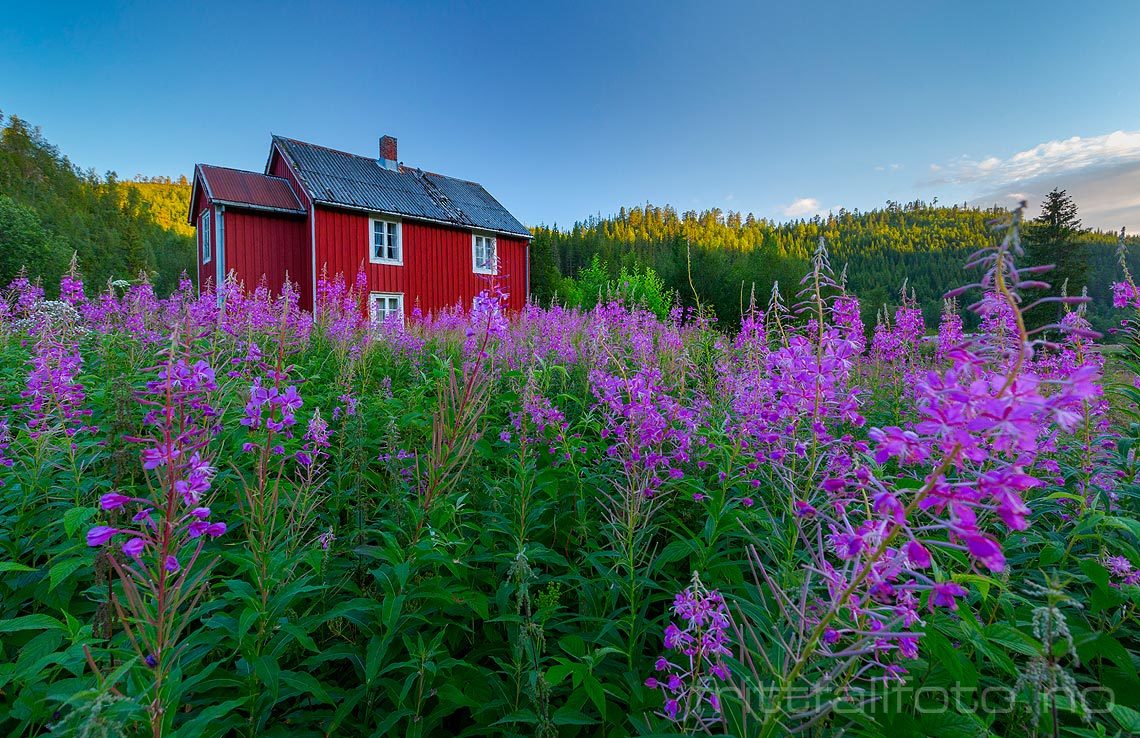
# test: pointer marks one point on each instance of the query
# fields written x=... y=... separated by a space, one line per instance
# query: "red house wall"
x=205 y=271
x=437 y=270
x=278 y=167
x=267 y=244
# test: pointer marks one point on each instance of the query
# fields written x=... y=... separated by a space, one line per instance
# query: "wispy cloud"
x=1102 y=173
x=1045 y=159
x=801 y=207
x=1108 y=197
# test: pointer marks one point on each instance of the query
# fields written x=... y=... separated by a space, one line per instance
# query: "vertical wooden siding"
x=437 y=270
x=267 y=245
x=278 y=167
x=197 y=207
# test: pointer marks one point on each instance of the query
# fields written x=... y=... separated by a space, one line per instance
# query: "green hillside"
x=733 y=253
x=167 y=199
x=50 y=208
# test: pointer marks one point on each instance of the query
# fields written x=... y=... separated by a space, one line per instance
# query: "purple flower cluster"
x=53 y=396
x=1122 y=571
x=342 y=310
x=691 y=675
x=795 y=397
x=538 y=415
x=895 y=343
x=1125 y=295
x=275 y=408
x=649 y=432
x=163 y=525
x=71 y=284
x=951 y=333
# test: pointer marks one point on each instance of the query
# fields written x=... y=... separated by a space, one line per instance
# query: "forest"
x=50 y=209
x=725 y=257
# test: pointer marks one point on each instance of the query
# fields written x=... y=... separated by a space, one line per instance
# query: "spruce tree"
x=1054 y=237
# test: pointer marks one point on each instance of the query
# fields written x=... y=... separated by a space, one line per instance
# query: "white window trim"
x=205 y=236
x=374 y=296
x=494 y=269
x=372 y=240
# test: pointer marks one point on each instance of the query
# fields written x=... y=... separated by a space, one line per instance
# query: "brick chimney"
x=388 y=158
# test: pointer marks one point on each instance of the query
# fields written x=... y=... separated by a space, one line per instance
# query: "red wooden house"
x=423 y=239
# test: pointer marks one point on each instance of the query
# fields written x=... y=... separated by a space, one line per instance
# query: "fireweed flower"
x=1122 y=571
x=895 y=343
x=169 y=527
x=26 y=294
x=71 y=285
x=650 y=433
x=963 y=466
x=951 y=333
x=316 y=441
x=691 y=676
x=789 y=401
x=53 y=397
x=275 y=409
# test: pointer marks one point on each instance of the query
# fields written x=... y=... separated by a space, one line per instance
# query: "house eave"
x=264 y=208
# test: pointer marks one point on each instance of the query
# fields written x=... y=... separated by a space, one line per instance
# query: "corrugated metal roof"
x=237 y=186
x=340 y=178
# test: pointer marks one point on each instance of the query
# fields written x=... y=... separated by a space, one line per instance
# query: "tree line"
x=724 y=258
x=50 y=209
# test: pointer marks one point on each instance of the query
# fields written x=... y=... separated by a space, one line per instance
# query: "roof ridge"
x=326 y=148
x=448 y=176
x=243 y=171
x=401 y=165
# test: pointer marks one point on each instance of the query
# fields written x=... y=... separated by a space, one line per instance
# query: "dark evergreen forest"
x=731 y=255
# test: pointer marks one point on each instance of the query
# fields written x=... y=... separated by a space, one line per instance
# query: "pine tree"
x=1054 y=238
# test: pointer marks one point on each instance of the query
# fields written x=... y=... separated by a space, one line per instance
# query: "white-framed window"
x=483 y=255
x=383 y=305
x=204 y=233
x=386 y=241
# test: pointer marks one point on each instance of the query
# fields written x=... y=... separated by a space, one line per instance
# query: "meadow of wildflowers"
x=233 y=517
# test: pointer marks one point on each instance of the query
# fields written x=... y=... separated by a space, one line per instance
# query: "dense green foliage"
x=470 y=557
x=733 y=255
x=49 y=209
x=168 y=201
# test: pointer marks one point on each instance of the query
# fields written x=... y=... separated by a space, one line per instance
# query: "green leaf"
x=246 y=620
x=569 y=716
x=1051 y=554
x=555 y=674
x=597 y=695
x=268 y=672
x=301 y=636
x=1128 y=718
x=76 y=518
x=205 y=719
x=306 y=684
x=374 y=657
x=31 y=622
x=1096 y=572
x=63 y=570
x=13 y=566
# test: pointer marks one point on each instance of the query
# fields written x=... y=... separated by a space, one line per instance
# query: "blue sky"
x=566 y=110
